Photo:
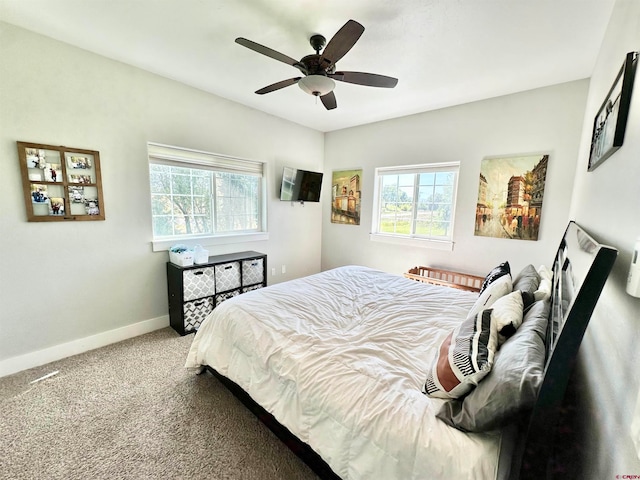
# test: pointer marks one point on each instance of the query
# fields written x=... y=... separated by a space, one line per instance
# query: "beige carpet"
x=132 y=411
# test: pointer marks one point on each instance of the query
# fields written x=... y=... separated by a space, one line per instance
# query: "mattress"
x=340 y=359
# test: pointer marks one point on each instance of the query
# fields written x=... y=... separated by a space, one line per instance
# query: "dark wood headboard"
x=580 y=270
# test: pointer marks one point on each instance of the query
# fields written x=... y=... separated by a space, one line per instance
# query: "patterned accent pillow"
x=502 y=269
x=497 y=289
x=465 y=357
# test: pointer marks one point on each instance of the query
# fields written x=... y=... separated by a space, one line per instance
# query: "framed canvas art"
x=345 y=196
x=510 y=194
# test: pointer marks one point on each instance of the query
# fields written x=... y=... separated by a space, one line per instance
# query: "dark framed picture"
x=611 y=121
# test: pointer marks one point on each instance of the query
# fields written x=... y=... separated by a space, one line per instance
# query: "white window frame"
x=412 y=239
x=189 y=158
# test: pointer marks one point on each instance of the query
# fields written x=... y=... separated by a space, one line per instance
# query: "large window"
x=416 y=204
x=198 y=194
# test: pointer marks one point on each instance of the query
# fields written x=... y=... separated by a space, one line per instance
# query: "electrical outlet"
x=284 y=269
x=273 y=271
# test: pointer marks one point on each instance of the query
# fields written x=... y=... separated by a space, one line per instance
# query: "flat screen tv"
x=300 y=185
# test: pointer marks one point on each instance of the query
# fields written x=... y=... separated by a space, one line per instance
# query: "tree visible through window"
x=416 y=201
x=196 y=200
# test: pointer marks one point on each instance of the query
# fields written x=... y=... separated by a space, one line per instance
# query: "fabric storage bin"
x=252 y=287
x=226 y=296
x=227 y=276
x=198 y=283
x=195 y=312
x=252 y=271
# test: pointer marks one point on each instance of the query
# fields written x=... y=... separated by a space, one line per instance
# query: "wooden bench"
x=447 y=278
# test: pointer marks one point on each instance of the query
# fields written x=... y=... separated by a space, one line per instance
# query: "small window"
x=416 y=204
x=196 y=195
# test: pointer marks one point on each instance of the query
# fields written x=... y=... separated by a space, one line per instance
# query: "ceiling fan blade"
x=329 y=101
x=342 y=41
x=269 y=52
x=278 y=85
x=367 y=79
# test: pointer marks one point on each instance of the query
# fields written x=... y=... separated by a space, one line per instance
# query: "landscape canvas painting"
x=510 y=194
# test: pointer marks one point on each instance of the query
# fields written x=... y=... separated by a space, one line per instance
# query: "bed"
x=369 y=375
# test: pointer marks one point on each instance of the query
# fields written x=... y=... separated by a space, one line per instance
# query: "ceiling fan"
x=319 y=70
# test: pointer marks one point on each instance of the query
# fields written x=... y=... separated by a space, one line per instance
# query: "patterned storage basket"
x=195 y=312
x=198 y=283
x=227 y=276
x=226 y=296
x=252 y=287
x=252 y=271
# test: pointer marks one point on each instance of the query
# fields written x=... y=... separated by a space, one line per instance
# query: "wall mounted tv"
x=300 y=185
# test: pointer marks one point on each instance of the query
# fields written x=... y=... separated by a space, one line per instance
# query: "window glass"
x=416 y=201
x=203 y=197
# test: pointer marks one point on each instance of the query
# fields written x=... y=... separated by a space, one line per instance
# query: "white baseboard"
x=57 y=352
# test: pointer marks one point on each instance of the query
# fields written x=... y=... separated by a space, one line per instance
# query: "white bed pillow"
x=545 y=272
x=506 y=314
x=544 y=289
x=495 y=290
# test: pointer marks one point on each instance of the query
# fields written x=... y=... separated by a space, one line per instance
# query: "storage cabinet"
x=196 y=290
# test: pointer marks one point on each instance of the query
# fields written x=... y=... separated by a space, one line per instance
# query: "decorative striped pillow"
x=465 y=357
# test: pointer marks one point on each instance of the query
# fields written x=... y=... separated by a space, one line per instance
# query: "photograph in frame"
x=73 y=178
x=35 y=158
x=79 y=162
x=56 y=206
x=76 y=194
x=91 y=206
x=39 y=193
x=52 y=172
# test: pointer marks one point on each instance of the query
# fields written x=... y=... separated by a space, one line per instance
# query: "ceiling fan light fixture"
x=317 y=85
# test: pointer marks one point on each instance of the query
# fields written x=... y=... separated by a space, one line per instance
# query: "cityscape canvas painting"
x=345 y=196
x=510 y=194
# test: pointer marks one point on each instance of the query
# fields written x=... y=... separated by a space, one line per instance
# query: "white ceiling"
x=444 y=52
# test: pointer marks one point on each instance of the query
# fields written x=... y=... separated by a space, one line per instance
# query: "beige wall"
x=606 y=202
x=542 y=120
x=64 y=282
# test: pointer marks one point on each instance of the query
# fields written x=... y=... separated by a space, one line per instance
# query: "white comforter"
x=340 y=358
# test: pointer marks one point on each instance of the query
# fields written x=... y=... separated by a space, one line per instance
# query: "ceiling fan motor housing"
x=312 y=65
x=317 y=42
